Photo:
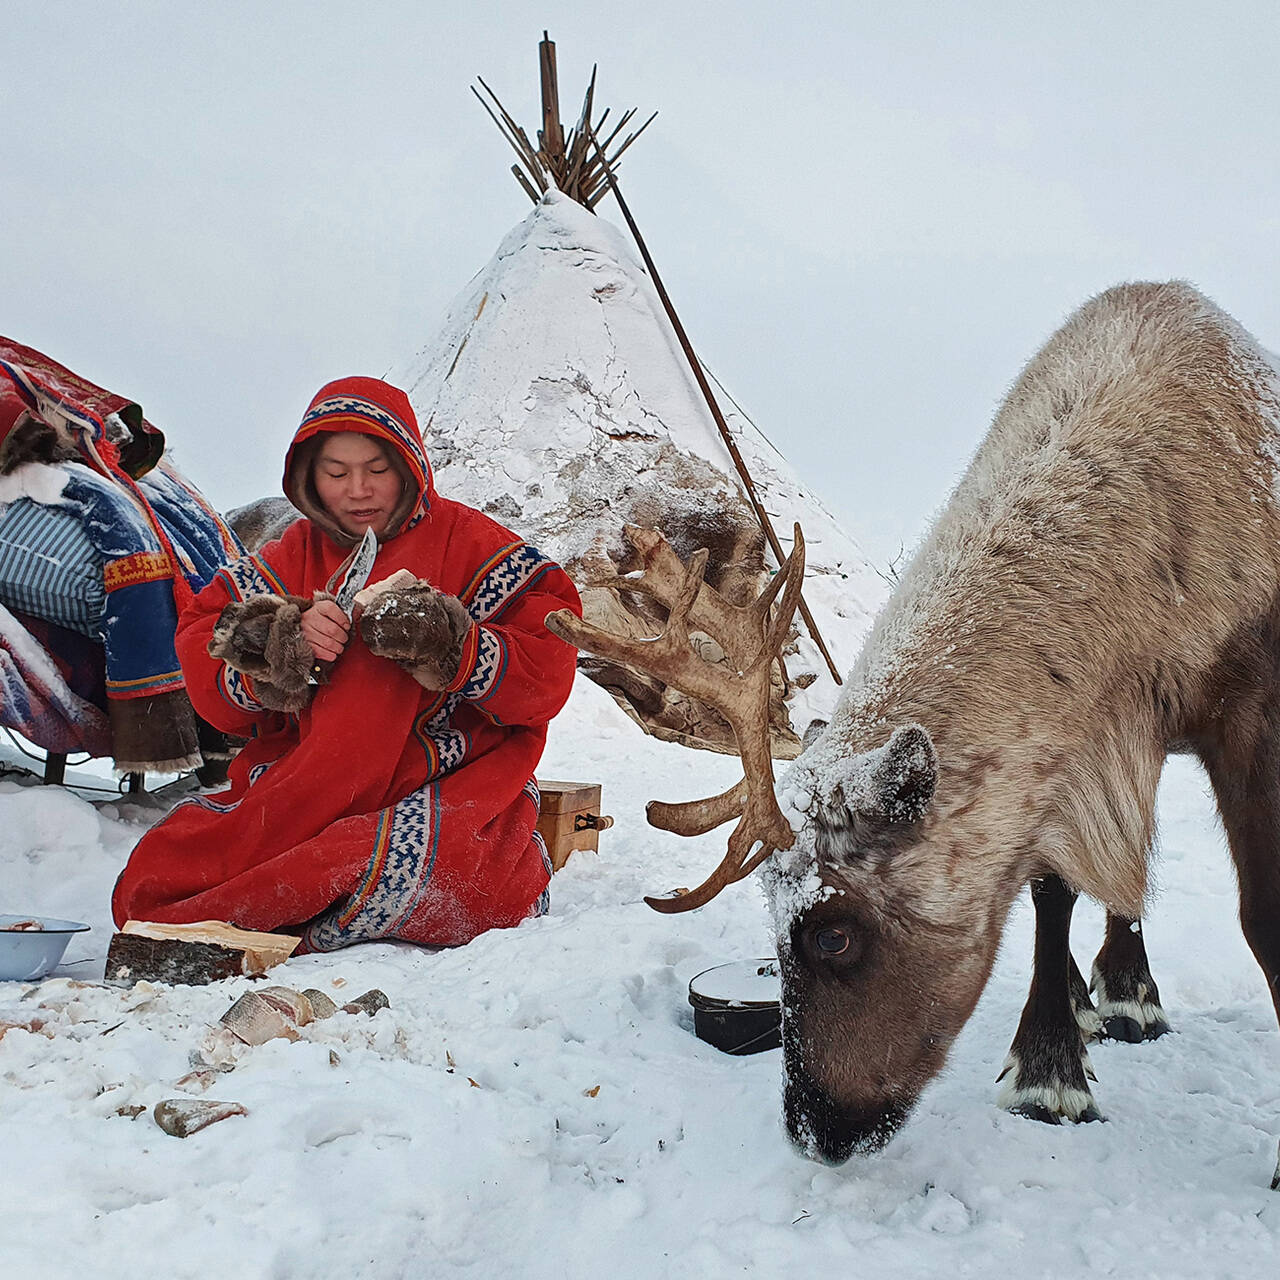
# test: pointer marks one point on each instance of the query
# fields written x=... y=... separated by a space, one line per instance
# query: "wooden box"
x=570 y=818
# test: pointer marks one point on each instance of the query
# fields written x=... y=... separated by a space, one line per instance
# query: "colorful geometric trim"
x=258 y=770
x=235 y=690
x=504 y=576
x=543 y=904
x=251 y=576
x=467 y=659
x=271 y=576
x=446 y=748
x=490 y=666
x=405 y=845
x=215 y=806
x=358 y=407
x=353 y=413
x=145 y=682
x=377 y=863
x=145 y=686
x=473 y=587
x=142 y=566
x=207 y=802
x=245 y=577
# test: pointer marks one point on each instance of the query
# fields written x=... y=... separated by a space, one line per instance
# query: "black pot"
x=734 y=1009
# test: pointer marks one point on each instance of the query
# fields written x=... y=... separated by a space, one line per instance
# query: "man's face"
x=356 y=483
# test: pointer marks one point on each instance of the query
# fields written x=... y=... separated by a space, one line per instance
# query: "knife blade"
x=348 y=583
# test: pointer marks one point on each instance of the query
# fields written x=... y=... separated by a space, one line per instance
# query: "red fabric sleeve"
x=220 y=695
x=513 y=669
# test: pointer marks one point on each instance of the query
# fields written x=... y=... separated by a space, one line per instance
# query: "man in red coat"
x=397 y=799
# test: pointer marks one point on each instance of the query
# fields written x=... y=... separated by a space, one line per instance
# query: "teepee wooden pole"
x=696 y=365
x=552 y=130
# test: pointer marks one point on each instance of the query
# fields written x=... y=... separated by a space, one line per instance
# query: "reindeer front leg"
x=1128 y=1000
x=1045 y=1072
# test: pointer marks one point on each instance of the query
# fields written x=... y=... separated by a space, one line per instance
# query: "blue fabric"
x=140 y=617
x=192 y=525
x=49 y=568
x=137 y=531
x=95 y=564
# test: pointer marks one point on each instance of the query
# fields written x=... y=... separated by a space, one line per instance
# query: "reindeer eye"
x=836 y=947
x=832 y=942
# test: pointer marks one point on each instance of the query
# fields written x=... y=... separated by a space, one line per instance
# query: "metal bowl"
x=28 y=954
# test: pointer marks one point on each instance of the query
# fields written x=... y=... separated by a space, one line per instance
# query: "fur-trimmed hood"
x=370 y=407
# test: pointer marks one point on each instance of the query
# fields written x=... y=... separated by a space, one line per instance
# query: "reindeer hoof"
x=1052 y=1088
x=1036 y=1111
x=1046 y=1115
x=1129 y=1007
x=1131 y=1030
x=1127 y=1029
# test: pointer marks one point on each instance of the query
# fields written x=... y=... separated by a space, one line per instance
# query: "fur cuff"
x=262 y=638
x=421 y=629
x=154 y=734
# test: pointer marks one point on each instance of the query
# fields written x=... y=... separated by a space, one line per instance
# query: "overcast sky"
x=869 y=215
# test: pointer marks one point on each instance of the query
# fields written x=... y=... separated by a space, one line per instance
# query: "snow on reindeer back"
x=556 y=398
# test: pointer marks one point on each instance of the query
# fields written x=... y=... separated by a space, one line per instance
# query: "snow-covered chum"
x=1103 y=588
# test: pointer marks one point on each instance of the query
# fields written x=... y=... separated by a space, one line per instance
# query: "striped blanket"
x=49 y=568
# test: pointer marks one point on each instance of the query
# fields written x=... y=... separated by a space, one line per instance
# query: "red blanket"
x=75 y=406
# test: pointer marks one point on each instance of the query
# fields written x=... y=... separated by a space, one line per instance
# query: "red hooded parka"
x=382 y=809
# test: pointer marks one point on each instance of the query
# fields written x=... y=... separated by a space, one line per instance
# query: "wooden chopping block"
x=570 y=818
x=192 y=954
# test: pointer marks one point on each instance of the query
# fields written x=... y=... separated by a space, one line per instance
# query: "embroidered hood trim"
x=369 y=407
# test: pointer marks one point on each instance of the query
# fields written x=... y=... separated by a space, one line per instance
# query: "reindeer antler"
x=752 y=637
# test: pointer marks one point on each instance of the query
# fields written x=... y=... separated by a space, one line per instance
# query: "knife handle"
x=319 y=673
x=321 y=667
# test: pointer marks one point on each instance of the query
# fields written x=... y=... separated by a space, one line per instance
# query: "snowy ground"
x=535 y=1104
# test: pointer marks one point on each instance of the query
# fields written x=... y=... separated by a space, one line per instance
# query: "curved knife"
x=348 y=583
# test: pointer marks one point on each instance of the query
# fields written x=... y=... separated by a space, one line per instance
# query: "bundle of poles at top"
x=569 y=163
x=579 y=165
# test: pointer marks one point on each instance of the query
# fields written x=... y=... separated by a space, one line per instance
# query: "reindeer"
x=1102 y=588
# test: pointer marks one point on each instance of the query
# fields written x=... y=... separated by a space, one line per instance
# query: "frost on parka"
x=381 y=809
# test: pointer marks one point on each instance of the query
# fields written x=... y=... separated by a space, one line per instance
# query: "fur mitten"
x=262 y=637
x=420 y=628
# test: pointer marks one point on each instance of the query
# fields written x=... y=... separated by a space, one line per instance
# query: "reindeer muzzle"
x=826 y=1130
